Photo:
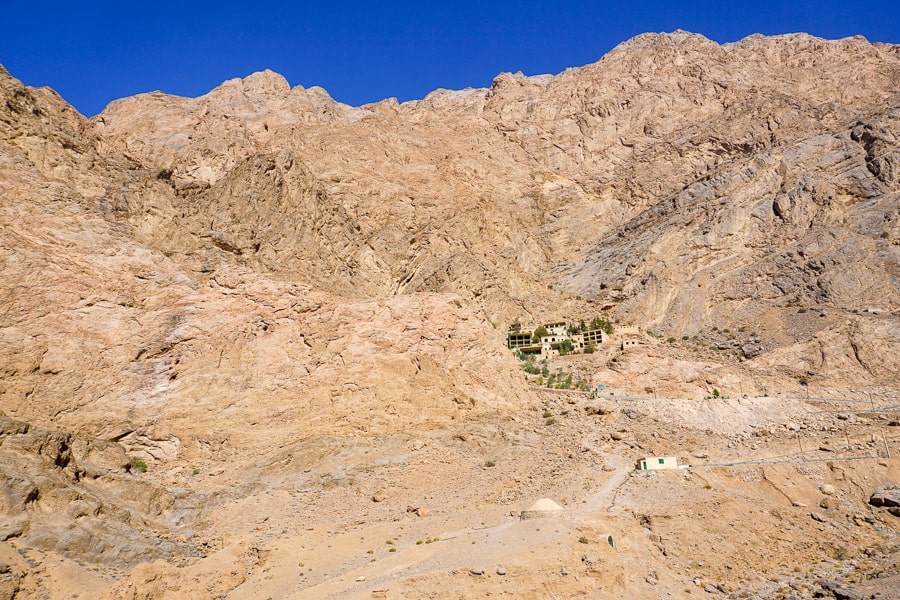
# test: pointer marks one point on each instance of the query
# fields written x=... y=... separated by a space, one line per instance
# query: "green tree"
x=540 y=332
x=565 y=347
x=604 y=324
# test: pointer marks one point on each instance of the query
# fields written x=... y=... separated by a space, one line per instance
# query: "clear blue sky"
x=94 y=52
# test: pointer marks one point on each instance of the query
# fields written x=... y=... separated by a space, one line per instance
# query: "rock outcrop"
x=674 y=179
x=886 y=496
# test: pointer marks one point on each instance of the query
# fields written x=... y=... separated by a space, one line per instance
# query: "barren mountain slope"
x=113 y=345
x=492 y=193
x=292 y=314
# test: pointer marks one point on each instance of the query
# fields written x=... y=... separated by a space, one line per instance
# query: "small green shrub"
x=550 y=421
x=137 y=465
x=489 y=463
x=671 y=340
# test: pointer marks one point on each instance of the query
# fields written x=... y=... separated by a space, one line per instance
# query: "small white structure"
x=629 y=343
x=558 y=329
x=545 y=508
x=657 y=463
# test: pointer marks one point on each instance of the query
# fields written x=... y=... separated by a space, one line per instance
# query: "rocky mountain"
x=266 y=298
x=679 y=183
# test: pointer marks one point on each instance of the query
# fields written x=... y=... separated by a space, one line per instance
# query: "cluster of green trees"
x=564 y=381
x=565 y=347
x=560 y=380
x=596 y=323
x=528 y=364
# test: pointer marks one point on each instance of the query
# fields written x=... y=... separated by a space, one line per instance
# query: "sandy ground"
x=312 y=528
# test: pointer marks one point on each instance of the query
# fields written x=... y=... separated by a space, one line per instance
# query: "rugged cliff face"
x=194 y=325
x=678 y=183
x=245 y=285
x=718 y=159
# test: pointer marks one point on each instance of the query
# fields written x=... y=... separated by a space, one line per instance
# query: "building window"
x=662 y=461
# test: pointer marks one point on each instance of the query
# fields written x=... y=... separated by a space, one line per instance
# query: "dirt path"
x=603 y=500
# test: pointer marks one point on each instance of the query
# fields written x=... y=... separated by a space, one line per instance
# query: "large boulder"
x=886 y=496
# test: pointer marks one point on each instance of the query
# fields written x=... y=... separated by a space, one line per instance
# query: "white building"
x=657 y=463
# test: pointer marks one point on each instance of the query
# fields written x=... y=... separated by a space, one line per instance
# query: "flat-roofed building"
x=556 y=328
x=657 y=463
x=518 y=339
